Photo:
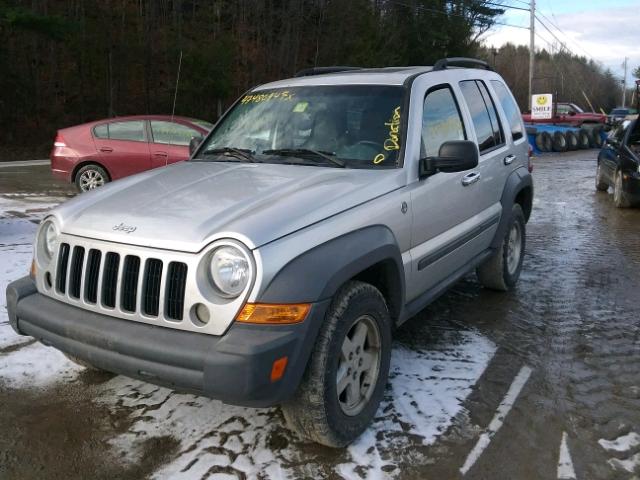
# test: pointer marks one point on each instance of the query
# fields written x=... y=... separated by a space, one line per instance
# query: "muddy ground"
x=540 y=383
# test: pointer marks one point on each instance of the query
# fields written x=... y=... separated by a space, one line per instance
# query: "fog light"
x=200 y=315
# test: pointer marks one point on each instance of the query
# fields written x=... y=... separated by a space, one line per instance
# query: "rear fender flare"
x=517 y=181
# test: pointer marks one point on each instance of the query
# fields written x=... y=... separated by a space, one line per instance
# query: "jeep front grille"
x=132 y=283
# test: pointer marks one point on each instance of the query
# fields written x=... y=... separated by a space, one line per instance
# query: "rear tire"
x=347 y=373
x=91 y=176
x=601 y=185
x=502 y=270
x=620 y=199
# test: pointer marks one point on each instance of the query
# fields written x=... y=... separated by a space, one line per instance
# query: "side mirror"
x=572 y=113
x=454 y=156
x=193 y=144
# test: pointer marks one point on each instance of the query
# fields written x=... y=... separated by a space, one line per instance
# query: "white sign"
x=542 y=106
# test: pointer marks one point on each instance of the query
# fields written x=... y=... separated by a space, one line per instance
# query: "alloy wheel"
x=90 y=179
x=359 y=365
x=514 y=248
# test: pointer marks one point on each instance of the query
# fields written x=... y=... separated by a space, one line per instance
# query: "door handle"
x=161 y=154
x=470 y=178
x=509 y=159
x=106 y=149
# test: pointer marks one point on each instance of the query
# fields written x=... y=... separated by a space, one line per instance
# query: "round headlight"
x=229 y=270
x=48 y=239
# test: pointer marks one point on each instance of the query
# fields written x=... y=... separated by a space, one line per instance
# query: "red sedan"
x=95 y=153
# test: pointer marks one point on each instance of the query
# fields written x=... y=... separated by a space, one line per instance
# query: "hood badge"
x=124 y=228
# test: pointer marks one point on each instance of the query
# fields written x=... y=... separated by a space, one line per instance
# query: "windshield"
x=354 y=126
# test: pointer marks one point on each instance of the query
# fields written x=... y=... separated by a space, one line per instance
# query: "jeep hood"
x=186 y=205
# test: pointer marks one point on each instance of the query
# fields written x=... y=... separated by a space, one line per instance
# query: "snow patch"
x=427 y=391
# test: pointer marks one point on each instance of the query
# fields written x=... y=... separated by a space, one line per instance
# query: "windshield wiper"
x=305 y=153
x=241 y=153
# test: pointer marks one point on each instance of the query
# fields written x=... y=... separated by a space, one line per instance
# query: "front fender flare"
x=319 y=272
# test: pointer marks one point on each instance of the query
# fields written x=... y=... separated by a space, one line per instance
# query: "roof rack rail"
x=464 y=62
x=307 y=72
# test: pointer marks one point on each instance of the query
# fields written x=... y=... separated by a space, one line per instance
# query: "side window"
x=441 y=121
x=133 y=130
x=498 y=134
x=101 y=131
x=172 y=133
x=487 y=138
x=510 y=109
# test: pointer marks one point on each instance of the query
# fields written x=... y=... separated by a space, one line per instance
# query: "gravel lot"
x=538 y=384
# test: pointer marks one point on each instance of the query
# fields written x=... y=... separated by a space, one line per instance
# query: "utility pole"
x=624 y=82
x=532 y=54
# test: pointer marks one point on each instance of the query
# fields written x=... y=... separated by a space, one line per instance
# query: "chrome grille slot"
x=63 y=263
x=110 y=279
x=174 y=295
x=129 y=293
x=91 y=276
x=151 y=289
x=75 y=272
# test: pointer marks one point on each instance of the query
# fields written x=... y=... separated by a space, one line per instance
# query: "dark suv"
x=619 y=164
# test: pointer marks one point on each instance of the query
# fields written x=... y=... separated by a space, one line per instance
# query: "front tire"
x=601 y=185
x=502 y=270
x=90 y=177
x=347 y=373
x=620 y=199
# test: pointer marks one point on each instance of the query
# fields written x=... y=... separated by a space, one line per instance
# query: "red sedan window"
x=172 y=133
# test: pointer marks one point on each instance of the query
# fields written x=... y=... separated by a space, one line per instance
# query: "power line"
x=509 y=7
x=566 y=36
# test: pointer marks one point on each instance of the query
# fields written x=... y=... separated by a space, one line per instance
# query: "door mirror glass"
x=193 y=144
x=454 y=156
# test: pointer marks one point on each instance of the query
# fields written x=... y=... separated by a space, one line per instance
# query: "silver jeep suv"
x=272 y=268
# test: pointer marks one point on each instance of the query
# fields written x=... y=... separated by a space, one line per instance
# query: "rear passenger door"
x=491 y=140
x=122 y=147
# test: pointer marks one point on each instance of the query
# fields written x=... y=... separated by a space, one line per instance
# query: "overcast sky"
x=605 y=30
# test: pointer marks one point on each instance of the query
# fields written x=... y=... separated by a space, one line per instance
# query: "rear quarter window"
x=101 y=131
x=510 y=109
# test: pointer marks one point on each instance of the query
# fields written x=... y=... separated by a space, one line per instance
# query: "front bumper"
x=234 y=367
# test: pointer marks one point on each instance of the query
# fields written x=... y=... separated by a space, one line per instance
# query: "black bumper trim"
x=234 y=368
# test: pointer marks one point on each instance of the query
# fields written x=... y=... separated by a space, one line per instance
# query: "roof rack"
x=307 y=72
x=464 y=62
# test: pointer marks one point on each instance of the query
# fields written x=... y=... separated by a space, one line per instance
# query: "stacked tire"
x=544 y=142
x=559 y=142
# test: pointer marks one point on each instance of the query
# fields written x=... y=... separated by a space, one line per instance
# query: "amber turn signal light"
x=272 y=313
